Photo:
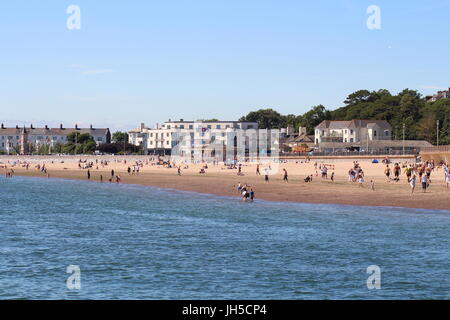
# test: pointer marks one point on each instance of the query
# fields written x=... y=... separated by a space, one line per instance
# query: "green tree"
x=315 y=116
x=266 y=118
x=120 y=137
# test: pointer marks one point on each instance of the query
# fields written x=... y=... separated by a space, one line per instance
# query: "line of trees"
x=119 y=144
x=408 y=108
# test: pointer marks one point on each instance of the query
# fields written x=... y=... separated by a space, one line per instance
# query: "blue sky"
x=135 y=61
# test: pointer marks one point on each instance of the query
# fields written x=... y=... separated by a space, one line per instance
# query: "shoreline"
x=296 y=191
x=230 y=197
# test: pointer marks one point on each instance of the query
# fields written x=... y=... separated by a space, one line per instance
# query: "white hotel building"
x=162 y=139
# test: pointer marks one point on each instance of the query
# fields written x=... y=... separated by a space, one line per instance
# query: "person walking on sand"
x=332 y=177
x=89 y=174
x=266 y=175
x=447 y=181
x=112 y=173
x=387 y=172
x=397 y=170
x=285 y=175
x=179 y=170
x=372 y=185
x=424 y=182
x=412 y=183
x=257 y=170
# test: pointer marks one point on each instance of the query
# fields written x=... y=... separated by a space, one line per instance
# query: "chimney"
x=3 y=126
x=76 y=126
x=17 y=127
x=46 y=127
x=142 y=126
x=91 y=127
x=170 y=120
x=31 y=126
x=61 y=126
x=302 y=130
x=181 y=120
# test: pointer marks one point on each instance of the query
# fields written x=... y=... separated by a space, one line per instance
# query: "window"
x=351 y=139
x=182 y=126
x=208 y=126
x=386 y=133
x=151 y=142
x=99 y=139
x=167 y=142
x=374 y=133
x=168 y=126
x=191 y=126
x=351 y=132
x=218 y=126
x=227 y=126
x=250 y=126
x=167 y=134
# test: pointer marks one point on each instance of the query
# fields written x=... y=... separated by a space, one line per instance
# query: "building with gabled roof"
x=352 y=131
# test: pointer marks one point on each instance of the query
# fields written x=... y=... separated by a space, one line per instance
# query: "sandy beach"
x=219 y=180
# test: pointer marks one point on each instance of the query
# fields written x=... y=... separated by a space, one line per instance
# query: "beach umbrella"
x=375 y=161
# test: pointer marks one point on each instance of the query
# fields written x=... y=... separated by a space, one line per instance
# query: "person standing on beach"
x=89 y=174
x=387 y=172
x=332 y=177
x=285 y=175
x=447 y=180
x=252 y=195
x=179 y=170
x=266 y=175
x=424 y=182
x=397 y=170
x=112 y=173
x=257 y=170
x=412 y=183
x=101 y=178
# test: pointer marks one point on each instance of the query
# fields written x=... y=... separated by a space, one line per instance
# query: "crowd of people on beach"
x=247 y=193
x=414 y=172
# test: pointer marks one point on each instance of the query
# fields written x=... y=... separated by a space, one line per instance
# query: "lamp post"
x=437 y=133
x=403 y=138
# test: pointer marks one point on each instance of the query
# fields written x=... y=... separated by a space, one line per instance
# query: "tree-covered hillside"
x=407 y=108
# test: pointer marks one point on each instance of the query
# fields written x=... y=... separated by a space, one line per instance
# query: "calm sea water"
x=134 y=242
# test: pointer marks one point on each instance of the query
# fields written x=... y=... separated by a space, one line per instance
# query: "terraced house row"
x=19 y=139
